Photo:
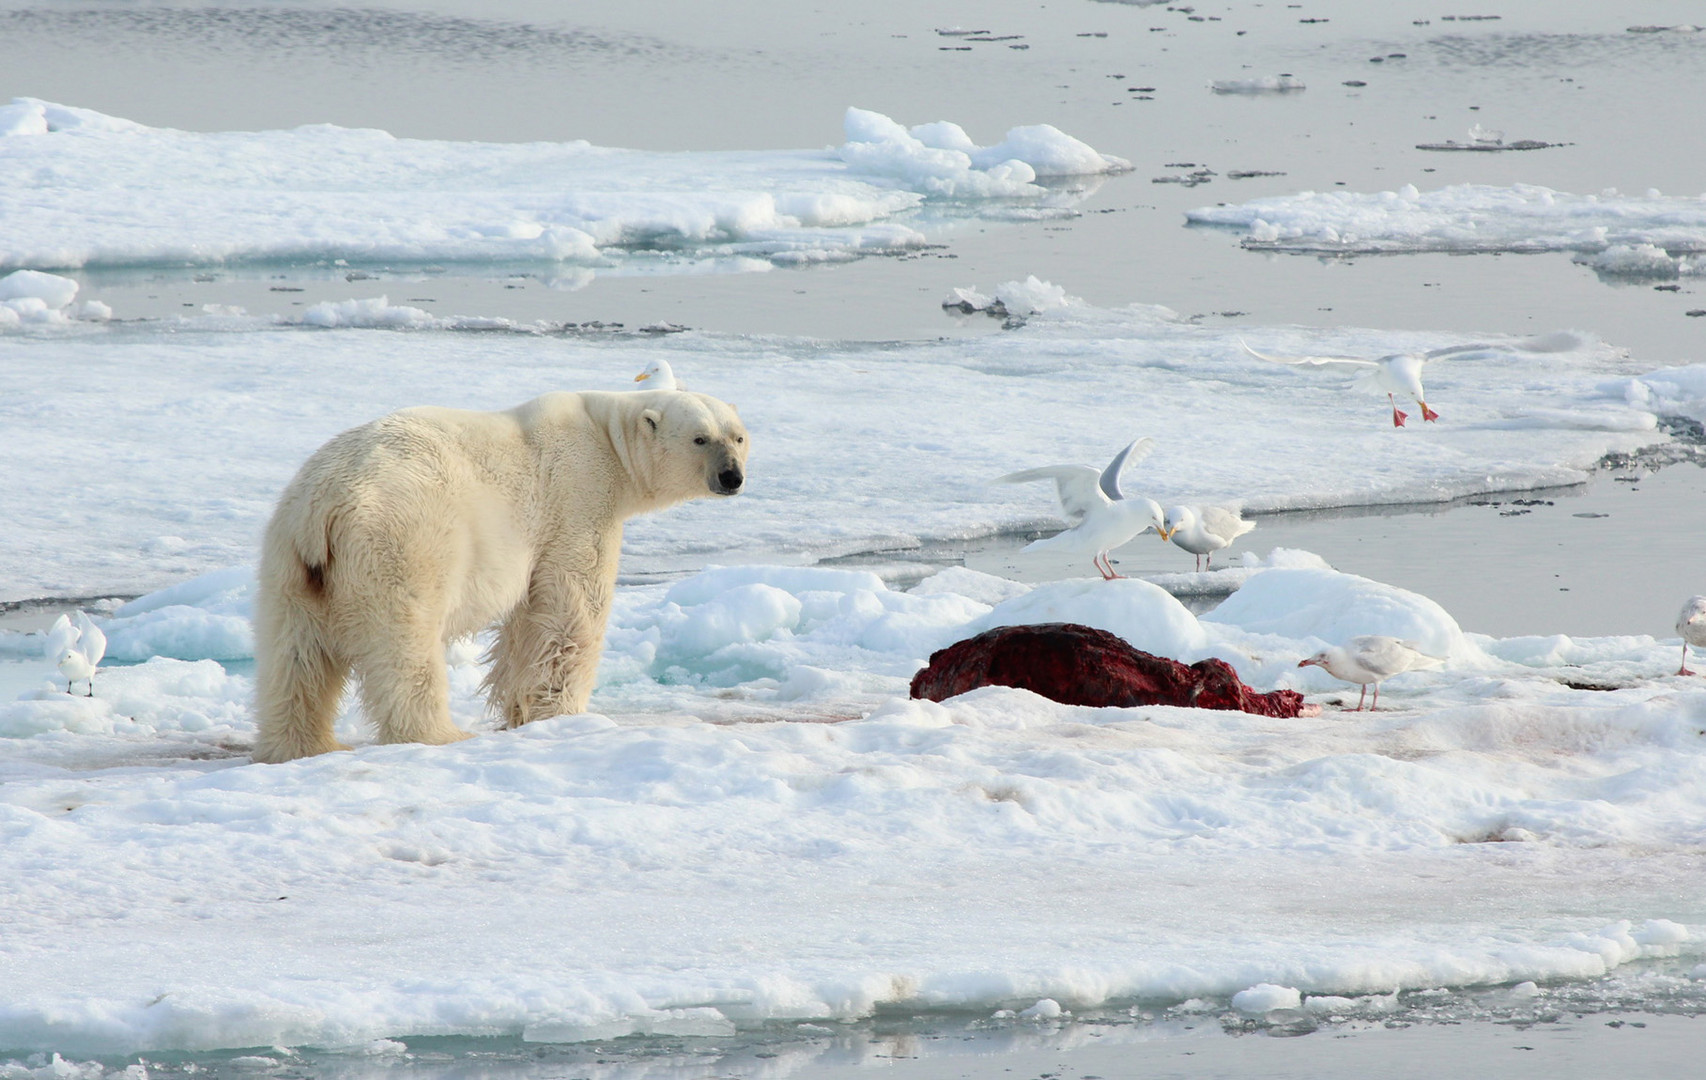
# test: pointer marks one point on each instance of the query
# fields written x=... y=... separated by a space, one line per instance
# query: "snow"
x=1266 y=997
x=755 y=823
x=121 y=195
x=716 y=842
x=1477 y=218
x=152 y=397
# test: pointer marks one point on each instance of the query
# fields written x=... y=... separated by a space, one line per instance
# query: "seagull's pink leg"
x=1683 y=670
x=1106 y=567
x=1397 y=415
x=1427 y=413
x=1375 y=704
x=1361 y=697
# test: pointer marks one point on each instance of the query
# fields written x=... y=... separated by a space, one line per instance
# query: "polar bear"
x=431 y=523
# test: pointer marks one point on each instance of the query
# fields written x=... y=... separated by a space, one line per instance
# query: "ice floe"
x=123 y=193
x=756 y=824
x=1467 y=218
x=199 y=422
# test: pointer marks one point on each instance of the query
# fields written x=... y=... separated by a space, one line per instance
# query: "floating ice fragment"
x=1270 y=84
x=1266 y=997
x=1648 y=261
x=1044 y=1009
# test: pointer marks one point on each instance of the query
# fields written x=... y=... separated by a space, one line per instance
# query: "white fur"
x=429 y=524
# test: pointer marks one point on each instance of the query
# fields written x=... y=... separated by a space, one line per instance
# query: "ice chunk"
x=1266 y=997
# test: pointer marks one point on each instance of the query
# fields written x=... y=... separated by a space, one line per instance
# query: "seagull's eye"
x=700 y=441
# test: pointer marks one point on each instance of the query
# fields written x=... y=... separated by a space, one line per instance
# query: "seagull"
x=76 y=648
x=76 y=667
x=658 y=376
x=1691 y=624
x=1104 y=515
x=1399 y=373
x=1202 y=532
x=1370 y=658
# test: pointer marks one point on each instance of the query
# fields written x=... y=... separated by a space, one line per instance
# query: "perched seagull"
x=76 y=648
x=1398 y=374
x=1691 y=624
x=1204 y=531
x=658 y=376
x=1104 y=515
x=76 y=667
x=1370 y=658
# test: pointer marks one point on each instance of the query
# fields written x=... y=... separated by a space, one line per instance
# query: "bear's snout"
x=729 y=480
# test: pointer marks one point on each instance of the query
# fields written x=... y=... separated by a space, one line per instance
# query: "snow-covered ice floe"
x=1619 y=230
x=757 y=824
x=123 y=194
x=139 y=454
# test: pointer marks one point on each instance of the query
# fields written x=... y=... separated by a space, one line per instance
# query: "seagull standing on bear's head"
x=1370 y=659
x=1104 y=515
x=658 y=376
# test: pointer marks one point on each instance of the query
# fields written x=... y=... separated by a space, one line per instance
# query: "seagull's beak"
x=641 y=377
x=1166 y=534
x=1308 y=662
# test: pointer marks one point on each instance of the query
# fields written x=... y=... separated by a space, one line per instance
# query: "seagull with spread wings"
x=1104 y=515
x=1399 y=374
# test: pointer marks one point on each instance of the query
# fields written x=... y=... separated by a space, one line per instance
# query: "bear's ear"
x=652 y=416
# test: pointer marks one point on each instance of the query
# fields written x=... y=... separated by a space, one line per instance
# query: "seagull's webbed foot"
x=1427 y=413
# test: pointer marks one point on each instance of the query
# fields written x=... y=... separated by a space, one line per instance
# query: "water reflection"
x=337 y=33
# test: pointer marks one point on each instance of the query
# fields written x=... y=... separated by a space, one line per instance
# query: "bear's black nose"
x=730 y=480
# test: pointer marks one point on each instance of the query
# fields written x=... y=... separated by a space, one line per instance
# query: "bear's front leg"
x=545 y=657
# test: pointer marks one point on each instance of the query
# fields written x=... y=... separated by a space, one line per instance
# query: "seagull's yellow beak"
x=641 y=377
x=1166 y=534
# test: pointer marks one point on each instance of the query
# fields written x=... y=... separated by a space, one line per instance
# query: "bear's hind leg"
x=298 y=684
x=405 y=689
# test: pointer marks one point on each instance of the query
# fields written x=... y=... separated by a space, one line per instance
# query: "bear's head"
x=699 y=444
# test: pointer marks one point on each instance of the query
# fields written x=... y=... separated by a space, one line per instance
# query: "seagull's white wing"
x=1077 y=485
x=1313 y=361
x=1131 y=455
x=61 y=636
x=1220 y=521
x=1387 y=656
x=93 y=643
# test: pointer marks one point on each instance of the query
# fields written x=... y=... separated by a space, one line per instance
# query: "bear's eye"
x=740 y=439
x=700 y=441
